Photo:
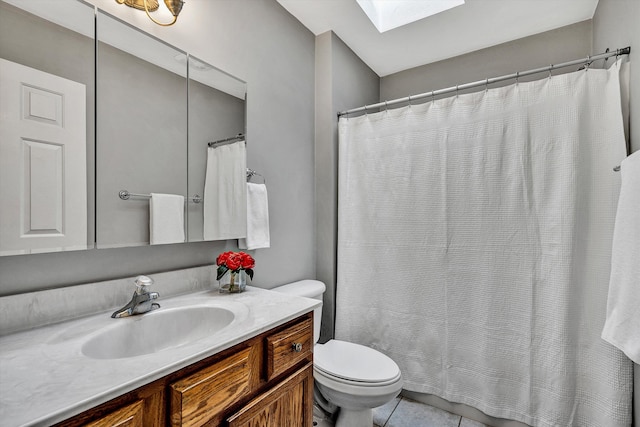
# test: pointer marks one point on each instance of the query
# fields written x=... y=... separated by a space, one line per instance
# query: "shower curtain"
x=474 y=243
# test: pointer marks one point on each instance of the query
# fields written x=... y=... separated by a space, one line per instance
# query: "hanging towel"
x=622 y=327
x=166 y=218
x=225 y=192
x=257 y=218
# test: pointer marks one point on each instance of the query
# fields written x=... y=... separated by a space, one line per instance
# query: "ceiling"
x=475 y=25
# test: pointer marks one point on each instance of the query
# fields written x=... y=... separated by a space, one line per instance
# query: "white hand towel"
x=257 y=218
x=166 y=218
x=622 y=326
x=225 y=192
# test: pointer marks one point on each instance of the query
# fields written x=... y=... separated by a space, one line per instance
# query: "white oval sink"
x=157 y=330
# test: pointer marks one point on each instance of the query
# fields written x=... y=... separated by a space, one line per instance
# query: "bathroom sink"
x=157 y=330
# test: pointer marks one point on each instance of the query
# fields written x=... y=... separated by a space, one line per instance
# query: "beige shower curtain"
x=474 y=247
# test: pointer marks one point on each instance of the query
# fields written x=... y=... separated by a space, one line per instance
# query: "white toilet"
x=350 y=376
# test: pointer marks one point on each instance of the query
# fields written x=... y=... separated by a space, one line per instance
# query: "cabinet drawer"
x=288 y=347
x=200 y=397
x=127 y=416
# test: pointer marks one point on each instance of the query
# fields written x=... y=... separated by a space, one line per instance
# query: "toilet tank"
x=309 y=289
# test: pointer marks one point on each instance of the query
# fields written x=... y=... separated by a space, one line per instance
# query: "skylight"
x=389 y=14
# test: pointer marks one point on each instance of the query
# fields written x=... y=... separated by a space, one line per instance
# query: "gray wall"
x=551 y=47
x=616 y=24
x=262 y=44
x=342 y=81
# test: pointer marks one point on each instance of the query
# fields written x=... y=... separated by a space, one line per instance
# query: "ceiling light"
x=389 y=14
x=174 y=7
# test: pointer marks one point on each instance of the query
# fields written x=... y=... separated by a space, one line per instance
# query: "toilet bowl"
x=353 y=377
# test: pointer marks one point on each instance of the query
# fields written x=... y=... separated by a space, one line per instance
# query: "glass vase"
x=233 y=282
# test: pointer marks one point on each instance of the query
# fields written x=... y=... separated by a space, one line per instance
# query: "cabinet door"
x=288 y=404
x=127 y=416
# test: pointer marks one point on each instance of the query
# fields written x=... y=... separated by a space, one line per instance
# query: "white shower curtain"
x=474 y=246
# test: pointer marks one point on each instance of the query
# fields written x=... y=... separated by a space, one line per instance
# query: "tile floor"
x=403 y=412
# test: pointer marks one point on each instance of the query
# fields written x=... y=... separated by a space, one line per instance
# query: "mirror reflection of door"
x=42 y=161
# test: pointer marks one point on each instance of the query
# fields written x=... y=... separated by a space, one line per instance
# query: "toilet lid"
x=354 y=362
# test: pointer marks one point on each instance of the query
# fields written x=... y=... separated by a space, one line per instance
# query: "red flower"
x=235 y=261
x=246 y=260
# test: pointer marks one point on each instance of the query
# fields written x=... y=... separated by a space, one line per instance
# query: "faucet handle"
x=142 y=283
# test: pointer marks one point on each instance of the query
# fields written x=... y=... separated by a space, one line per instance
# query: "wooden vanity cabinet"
x=266 y=381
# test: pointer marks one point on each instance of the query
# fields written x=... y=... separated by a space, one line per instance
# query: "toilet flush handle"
x=297 y=347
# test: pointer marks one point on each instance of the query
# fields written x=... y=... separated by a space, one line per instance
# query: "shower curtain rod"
x=585 y=61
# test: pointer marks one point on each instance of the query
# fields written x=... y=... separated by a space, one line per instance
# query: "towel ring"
x=251 y=173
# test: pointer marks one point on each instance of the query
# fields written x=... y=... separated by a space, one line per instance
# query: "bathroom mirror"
x=141 y=87
x=46 y=126
x=216 y=113
x=137 y=88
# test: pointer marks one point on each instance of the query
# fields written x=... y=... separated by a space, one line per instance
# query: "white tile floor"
x=403 y=412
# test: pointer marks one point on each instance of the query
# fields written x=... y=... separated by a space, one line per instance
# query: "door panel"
x=43 y=181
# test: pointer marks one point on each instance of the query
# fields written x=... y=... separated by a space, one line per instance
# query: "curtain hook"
x=486 y=86
x=386 y=107
x=550 y=68
x=586 y=66
x=366 y=110
x=456 y=91
x=517 y=77
x=410 y=101
x=433 y=97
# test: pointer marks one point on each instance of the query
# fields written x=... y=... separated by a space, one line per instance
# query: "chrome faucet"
x=142 y=300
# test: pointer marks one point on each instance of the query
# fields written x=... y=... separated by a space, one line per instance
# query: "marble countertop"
x=45 y=378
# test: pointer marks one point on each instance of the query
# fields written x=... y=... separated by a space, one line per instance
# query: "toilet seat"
x=355 y=364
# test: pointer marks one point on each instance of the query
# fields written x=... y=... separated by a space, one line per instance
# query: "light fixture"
x=174 y=7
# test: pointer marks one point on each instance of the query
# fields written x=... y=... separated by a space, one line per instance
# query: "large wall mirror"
x=47 y=123
x=156 y=110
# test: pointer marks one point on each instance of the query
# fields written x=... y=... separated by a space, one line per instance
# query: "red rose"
x=233 y=262
x=246 y=260
x=222 y=258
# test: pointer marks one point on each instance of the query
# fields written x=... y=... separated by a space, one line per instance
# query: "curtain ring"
x=433 y=96
x=456 y=91
x=410 y=101
x=550 y=68
x=517 y=77
x=386 y=107
x=586 y=66
x=486 y=86
x=366 y=110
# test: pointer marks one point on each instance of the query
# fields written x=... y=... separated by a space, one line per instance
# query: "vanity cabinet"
x=264 y=381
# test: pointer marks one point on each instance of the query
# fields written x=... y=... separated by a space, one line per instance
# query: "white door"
x=43 y=182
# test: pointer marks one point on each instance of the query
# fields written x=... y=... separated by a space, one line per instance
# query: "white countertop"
x=45 y=378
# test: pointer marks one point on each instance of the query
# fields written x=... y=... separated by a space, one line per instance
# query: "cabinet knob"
x=297 y=347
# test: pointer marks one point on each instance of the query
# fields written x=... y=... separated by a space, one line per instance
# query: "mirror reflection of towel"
x=166 y=218
x=225 y=192
x=257 y=218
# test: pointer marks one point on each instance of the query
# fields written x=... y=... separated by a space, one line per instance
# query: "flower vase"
x=233 y=282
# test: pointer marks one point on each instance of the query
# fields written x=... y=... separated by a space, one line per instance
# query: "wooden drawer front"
x=281 y=351
x=198 y=398
x=127 y=416
x=289 y=404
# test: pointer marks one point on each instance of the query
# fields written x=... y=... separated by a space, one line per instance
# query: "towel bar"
x=126 y=195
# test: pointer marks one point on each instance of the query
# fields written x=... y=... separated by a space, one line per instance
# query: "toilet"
x=350 y=376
